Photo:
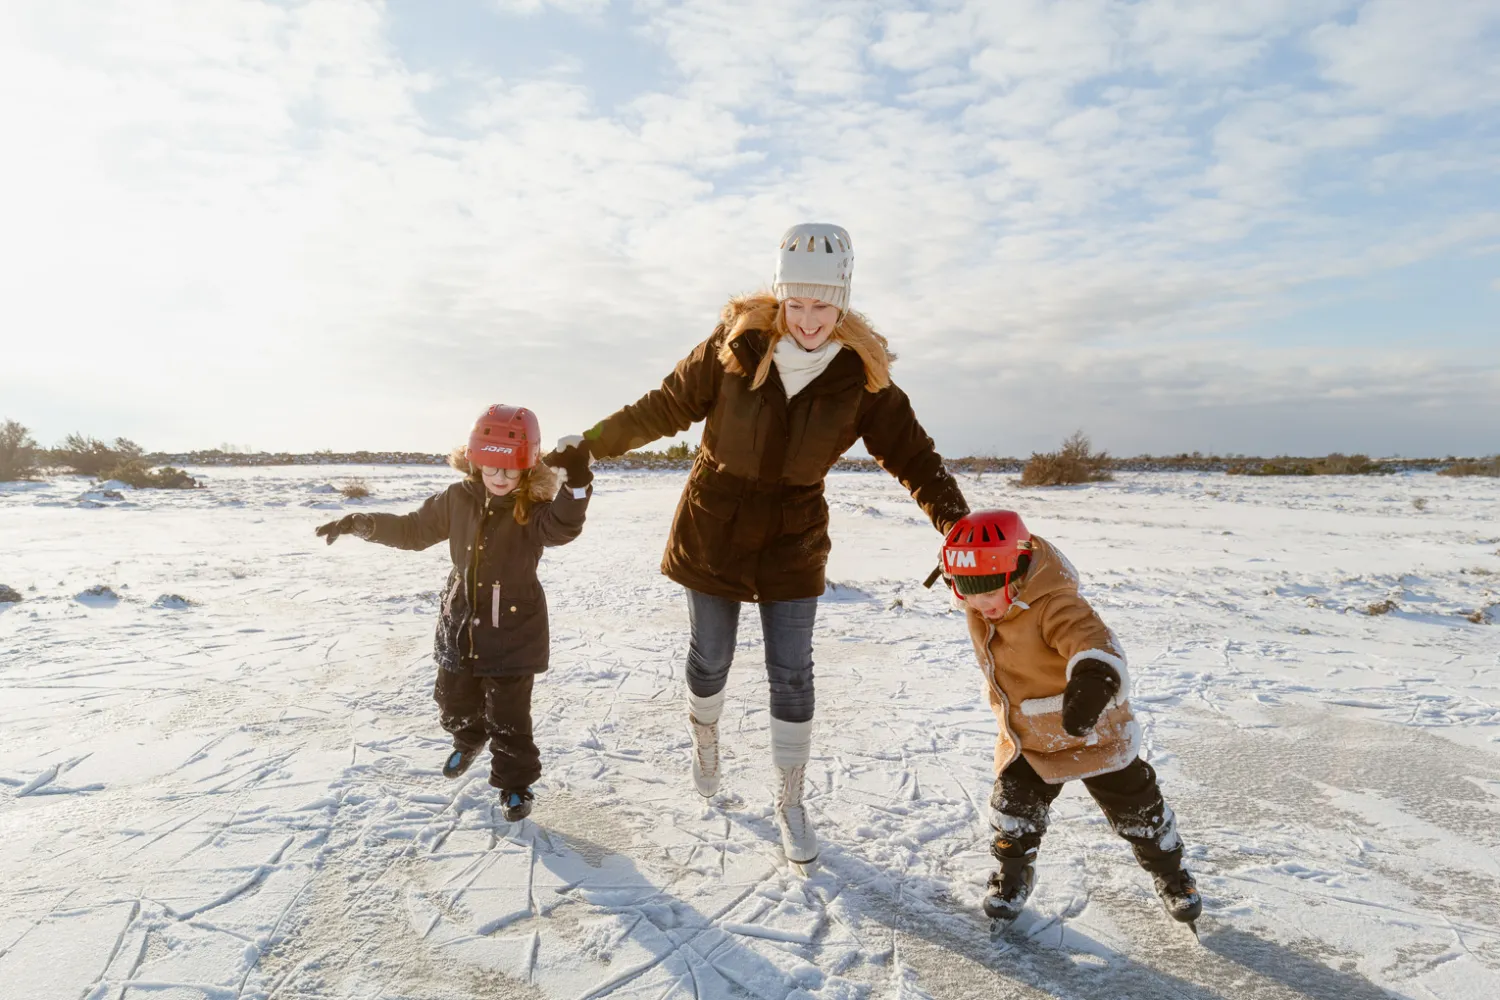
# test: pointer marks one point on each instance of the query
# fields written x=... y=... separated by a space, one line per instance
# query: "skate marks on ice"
x=172 y=754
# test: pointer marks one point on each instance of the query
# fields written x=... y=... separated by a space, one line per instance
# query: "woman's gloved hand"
x=362 y=525
x=1093 y=684
x=572 y=455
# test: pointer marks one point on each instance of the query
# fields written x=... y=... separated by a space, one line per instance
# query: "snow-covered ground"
x=222 y=781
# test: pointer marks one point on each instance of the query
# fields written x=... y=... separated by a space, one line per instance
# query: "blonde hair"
x=762 y=311
x=538 y=484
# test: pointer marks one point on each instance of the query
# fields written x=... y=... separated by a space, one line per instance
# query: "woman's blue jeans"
x=787 y=627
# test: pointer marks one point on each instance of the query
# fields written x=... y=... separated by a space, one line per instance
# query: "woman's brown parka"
x=752 y=524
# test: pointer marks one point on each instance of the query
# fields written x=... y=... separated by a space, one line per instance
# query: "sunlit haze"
x=1268 y=227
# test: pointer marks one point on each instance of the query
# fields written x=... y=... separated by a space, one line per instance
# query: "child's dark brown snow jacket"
x=752 y=524
x=494 y=616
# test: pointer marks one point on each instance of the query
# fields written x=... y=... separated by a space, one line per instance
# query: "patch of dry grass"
x=1335 y=464
x=1384 y=607
x=355 y=489
x=1470 y=467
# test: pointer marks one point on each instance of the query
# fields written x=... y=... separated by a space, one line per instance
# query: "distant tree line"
x=1074 y=462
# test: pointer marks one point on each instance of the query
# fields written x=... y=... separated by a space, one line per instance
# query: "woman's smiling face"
x=811 y=321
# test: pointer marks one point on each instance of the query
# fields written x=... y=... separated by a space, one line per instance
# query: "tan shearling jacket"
x=1028 y=657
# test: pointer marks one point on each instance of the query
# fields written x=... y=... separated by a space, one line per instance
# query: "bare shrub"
x=1074 y=462
x=1479 y=617
x=135 y=472
x=355 y=489
x=1384 y=607
x=17 y=452
x=1482 y=467
x=1420 y=503
x=91 y=457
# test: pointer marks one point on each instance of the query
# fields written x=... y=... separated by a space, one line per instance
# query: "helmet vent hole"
x=827 y=246
x=486 y=432
x=512 y=433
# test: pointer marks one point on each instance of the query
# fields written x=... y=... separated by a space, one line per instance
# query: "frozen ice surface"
x=232 y=789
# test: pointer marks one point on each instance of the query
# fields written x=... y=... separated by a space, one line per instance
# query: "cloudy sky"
x=1175 y=224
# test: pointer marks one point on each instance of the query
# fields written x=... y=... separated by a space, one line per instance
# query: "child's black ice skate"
x=1009 y=889
x=1179 y=896
x=516 y=803
x=458 y=762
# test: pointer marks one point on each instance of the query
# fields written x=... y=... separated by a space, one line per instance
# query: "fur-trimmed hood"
x=762 y=311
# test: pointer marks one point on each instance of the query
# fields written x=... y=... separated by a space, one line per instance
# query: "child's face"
x=499 y=481
x=991 y=604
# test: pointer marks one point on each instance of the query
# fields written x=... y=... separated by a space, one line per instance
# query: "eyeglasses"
x=493 y=473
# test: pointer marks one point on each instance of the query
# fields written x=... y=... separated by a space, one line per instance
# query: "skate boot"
x=1179 y=895
x=703 y=720
x=791 y=745
x=516 y=803
x=458 y=761
x=797 y=837
x=1010 y=887
x=705 y=756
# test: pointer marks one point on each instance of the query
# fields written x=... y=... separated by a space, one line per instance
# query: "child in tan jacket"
x=1058 y=684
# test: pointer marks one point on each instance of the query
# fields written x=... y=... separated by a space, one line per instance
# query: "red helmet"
x=984 y=550
x=506 y=437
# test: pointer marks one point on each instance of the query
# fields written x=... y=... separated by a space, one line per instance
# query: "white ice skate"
x=703 y=721
x=791 y=745
x=705 y=756
x=798 y=839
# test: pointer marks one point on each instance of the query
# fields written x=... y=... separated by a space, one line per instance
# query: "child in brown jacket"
x=1058 y=684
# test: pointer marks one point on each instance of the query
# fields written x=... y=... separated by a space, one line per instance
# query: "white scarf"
x=799 y=367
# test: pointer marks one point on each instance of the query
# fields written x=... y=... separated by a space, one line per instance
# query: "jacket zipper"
x=989 y=675
x=474 y=575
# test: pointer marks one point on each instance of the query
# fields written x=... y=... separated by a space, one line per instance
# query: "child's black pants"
x=1129 y=798
x=498 y=709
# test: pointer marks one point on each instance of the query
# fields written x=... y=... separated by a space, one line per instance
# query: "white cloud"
x=245 y=207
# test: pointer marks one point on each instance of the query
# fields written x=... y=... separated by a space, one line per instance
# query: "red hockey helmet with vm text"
x=985 y=549
x=506 y=437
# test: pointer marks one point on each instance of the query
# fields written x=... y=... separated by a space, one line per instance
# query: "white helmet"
x=815 y=261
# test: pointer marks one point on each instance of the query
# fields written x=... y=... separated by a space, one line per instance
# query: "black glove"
x=1090 y=689
x=573 y=457
x=362 y=525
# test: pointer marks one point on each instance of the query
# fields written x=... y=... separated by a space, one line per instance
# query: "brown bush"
x=91 y=457
x=135 y=472
x=1384 y=607
x=17 y=452
x=1073 y=463
x=355 y=489
x=1483 y=467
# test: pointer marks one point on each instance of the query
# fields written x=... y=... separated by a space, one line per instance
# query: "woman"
x=787 y=383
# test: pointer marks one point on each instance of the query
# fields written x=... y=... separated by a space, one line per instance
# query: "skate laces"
x=706 y=745
x=790 y=805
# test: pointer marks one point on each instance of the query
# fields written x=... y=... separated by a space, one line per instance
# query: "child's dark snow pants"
x=498 y=709
x=1129 y=798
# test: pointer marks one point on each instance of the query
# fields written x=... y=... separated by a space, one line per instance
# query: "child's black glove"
x=362 y=525
x=1090 y=689
x=572 y=455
